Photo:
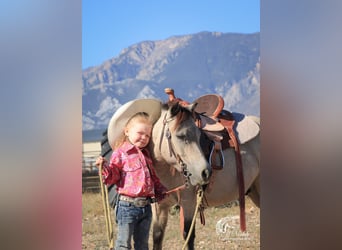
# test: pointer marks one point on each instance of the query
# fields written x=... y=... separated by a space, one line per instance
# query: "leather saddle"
x=215 y=118
x=217 y=124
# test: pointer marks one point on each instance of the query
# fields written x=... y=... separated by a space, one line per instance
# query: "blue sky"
x=108 y=26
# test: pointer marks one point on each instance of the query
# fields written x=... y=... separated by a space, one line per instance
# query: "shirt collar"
x=127 y=146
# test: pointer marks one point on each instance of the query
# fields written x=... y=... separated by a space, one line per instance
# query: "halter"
x=168 y=136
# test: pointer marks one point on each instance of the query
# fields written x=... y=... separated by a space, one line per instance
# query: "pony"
x=222 y=186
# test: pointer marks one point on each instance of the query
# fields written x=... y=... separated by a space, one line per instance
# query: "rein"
x=181 y=187
x=199 y=202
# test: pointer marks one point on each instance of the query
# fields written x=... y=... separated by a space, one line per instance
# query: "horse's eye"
x=183 y=138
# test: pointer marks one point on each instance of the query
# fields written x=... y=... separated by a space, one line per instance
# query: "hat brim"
x=120 y=118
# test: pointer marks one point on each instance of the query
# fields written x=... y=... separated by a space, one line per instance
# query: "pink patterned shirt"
x=131 y=169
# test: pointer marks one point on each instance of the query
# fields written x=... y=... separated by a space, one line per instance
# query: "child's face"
x=139 y=134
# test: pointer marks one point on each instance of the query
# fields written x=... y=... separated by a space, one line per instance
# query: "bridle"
x=167 y=134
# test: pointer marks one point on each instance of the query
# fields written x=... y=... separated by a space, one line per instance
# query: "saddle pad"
x=245 y=128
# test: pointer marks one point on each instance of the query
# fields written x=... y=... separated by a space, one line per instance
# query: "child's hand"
x=100 y=160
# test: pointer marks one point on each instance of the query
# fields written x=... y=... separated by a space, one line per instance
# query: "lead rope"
x=199 y=201
x=106 y=208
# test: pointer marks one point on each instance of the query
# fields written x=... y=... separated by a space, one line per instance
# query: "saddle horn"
x=172 y=98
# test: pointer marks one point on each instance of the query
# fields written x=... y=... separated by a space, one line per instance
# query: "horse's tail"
x=106 y=151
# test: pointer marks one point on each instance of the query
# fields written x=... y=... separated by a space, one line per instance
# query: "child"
x=131 y=169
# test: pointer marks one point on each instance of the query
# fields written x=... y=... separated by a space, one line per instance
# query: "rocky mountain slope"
x=193 y=65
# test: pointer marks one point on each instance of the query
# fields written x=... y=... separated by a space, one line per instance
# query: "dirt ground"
x=221 y=231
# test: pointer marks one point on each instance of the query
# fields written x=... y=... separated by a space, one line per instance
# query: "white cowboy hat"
x=120 y=118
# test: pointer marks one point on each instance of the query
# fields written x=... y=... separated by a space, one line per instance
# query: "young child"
x=131 y=170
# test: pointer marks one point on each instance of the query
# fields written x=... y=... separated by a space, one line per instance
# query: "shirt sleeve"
x=111 y=173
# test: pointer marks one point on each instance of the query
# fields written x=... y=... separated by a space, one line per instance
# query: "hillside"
x=193 y=65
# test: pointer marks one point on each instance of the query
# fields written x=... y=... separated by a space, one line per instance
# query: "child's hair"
x=140 y=117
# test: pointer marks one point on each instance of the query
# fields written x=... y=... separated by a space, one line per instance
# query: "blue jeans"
x=132 y=222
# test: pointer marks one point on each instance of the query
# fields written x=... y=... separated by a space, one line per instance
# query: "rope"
x=176 y=189
x=199 y=201
x=106 y=208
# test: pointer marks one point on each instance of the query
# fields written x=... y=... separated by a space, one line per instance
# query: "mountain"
x=193 y=65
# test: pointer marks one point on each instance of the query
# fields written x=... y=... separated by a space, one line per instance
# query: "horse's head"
x=177 y=141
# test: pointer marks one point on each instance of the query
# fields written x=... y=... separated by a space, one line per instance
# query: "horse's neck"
x=165 y=171
x=158 y=138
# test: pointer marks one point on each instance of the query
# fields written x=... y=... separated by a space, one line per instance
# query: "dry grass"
x=220 y=232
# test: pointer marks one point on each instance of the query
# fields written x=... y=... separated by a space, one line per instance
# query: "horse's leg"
x=187 y=225
x=187 y=213
x=160 y=218
x=254 y=192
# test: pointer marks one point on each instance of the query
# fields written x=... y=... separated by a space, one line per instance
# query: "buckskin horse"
x=224 y=184
x=181 y=152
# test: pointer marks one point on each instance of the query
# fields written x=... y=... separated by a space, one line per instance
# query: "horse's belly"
x=223 y=186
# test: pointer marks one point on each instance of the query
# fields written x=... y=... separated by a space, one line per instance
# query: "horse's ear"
x=191 y=107
x=175 y=109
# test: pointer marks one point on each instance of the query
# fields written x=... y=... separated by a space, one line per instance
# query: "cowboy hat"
x=120 y=118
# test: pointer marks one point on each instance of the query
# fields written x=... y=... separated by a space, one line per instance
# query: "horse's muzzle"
x=206 y=173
